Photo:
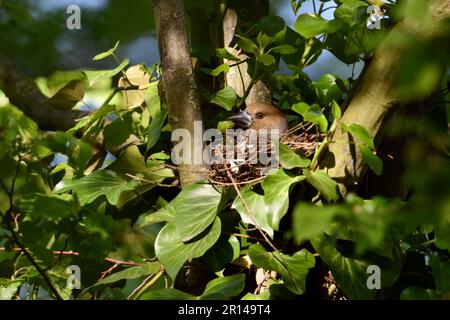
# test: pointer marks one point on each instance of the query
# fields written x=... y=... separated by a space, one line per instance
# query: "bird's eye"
x=259 y=115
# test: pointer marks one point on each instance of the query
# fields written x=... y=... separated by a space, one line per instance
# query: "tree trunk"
x=178 y=80
x=375 y=99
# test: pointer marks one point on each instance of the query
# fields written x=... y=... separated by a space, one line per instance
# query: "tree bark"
x=259 y=93
x=178 y=80
x=375 y=99
x=23 y=93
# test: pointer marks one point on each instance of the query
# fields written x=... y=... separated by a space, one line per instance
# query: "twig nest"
x=248 y=162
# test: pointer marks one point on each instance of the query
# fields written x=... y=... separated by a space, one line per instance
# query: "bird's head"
x=261 y=116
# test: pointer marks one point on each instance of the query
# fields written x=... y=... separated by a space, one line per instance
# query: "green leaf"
x=267 y=59
x=174 y=253
x=225 y=68
x=347 y=11
x=226 y=98
x=327 y=187
x=270 y=208
x=105 y=54
x=99 y=183
x=53 y=207
x=328 y=86
x=351 y=274
x=8 y=292
x=271 y=24
x=284 y=49
x=418 y=293
x=196 y=208
x=264 y=40
x=310 y=221
x=167 y=294
x=260 y=212
x=300 y=107
x=247 y=45
x=97 y=75
x=310 y=25
x=224 y=125
x=335 y=110
x=312 y=114
x=68 y=96
x=315 y=115
x=132 y=273
x=373 y=161
x=441 y=273
x=119 y=131
x=230 y=286
x=155 y=127
x=226 y=250
x=289 y=159
x=293 y=269
x=360 y=133
x=224 y=54
x=166 y=214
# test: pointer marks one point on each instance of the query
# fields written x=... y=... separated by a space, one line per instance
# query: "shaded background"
x=41 y=43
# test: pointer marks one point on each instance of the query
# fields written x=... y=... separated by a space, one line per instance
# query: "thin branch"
x=249 y=211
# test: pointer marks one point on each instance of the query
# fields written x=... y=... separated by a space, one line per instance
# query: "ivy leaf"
x=131 y=273
x=166 y=214
x=224 y=54
x=335 y=110
x=312 y=114
x=267 y=59
x=327 y=187
x=196 y=208
x=270 y=208
x=166 y=294
x=174 y=253
x=99 y=183
x=360 y=133
x=372 y=160
x=155 y=127
x=310 y=25
x=226 y=250
x=293 y=269
x=97 y=75
x=289 y=159
x=284 y=49
x=226 y=98
x=68 y=96
x=264 y=40
x=230 y=286
x=258 y=208
x=224 y=67
x=347 y=11
x=310 y=221
x=351 y=273
x=247 y=45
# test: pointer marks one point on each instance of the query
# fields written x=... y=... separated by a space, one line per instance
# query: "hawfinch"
x=261 y=116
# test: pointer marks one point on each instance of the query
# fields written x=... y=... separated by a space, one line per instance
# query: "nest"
x=239 y=165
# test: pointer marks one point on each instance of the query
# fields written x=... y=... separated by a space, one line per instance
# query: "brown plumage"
x=261 y=116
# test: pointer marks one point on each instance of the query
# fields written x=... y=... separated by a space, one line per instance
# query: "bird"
x=259 y=116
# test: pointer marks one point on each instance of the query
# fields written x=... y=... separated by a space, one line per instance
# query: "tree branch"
x=375 y=98
x=23 y=93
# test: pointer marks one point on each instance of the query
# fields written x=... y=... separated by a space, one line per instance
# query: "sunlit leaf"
x=293 y=269
x=174 y=253
x=196 y=208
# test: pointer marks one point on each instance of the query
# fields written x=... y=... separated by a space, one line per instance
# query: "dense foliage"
x=105 y=196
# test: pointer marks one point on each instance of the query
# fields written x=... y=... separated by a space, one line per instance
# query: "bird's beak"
x=243 y=119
